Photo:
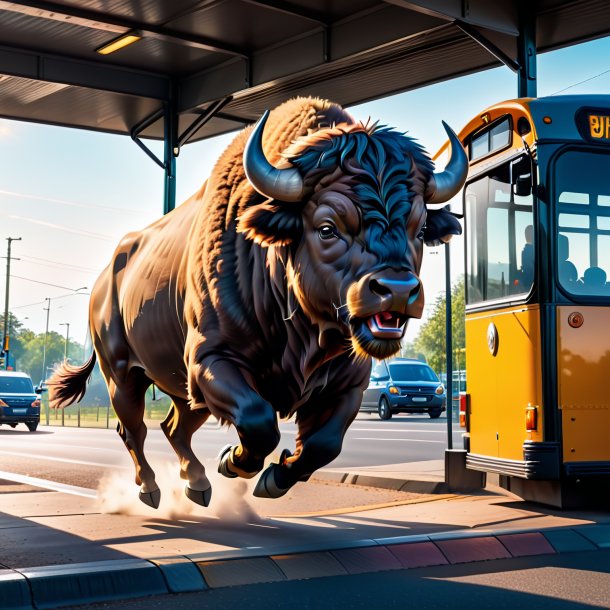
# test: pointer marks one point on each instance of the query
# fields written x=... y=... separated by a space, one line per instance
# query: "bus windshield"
x=582 y=199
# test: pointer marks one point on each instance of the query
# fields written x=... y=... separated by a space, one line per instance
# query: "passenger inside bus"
x=594 y=280
x=568 y=273
x=527 y=258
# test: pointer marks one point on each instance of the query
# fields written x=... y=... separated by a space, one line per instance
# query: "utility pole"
x=44 y=345
x=6 y=340
x=44 y=351
x=67 y=325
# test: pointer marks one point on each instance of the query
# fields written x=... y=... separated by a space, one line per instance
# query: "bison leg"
x=321 y=429
x=128 y=402
x=230 y=398
x=179 y=426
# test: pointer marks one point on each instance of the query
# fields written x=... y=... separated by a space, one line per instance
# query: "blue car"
x=19 y=402
x=403 y=385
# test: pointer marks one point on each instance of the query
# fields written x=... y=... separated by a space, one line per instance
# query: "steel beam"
x=488 y=45
x=82 y=73
x=100 y=20
x=500 y=15
x=526 y=51
x=290 y=9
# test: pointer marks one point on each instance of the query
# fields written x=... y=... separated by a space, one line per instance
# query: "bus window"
x=499 y=245
x=493 y=138
x=583 y=222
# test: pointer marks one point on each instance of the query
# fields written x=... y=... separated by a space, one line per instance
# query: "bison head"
x=351 y=212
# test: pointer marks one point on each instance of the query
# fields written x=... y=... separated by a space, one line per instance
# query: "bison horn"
x=282 y=184
x=442 y=186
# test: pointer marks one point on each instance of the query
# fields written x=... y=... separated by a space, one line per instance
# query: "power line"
x=52 y=225
x=54 y=265
x=72 y=203
x=61 y=296
x=581 y=82
x=27 y=279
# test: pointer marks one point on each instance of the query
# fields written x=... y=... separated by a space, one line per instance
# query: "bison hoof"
x=223 y=467
x=199 y=497
x=267 y=487
x=151 y=498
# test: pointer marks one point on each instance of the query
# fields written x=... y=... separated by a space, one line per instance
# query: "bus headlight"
x=440 y=389
x=393 y=390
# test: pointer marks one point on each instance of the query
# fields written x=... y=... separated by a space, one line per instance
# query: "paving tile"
x=523 y=545
x=568 y=540
x=480 y=548
x=597 y=534
x=309 y=565
x=367 y=559
x=417 y=554
x=240 y=572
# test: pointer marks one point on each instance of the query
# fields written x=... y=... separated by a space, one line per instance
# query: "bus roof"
x=561 y=109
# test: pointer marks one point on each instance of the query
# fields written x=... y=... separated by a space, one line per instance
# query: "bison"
x=268 y=292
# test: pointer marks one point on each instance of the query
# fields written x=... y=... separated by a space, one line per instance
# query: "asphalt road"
x=369 y=442
x=545 y=582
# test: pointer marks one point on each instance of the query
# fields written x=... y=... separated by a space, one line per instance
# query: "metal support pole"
x=171 y=150
x=6 y=340
x=448 y=347
x=67 y=325
x=526 y=50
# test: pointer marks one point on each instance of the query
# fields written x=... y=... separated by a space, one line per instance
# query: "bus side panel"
x=505 y=384
x=583 y=360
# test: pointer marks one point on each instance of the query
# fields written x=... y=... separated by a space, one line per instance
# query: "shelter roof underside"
x=258 y=53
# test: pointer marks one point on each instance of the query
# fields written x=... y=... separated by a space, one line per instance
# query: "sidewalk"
x=59 y=549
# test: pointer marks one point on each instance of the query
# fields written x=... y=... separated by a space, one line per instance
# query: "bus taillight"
x=464 y=410
x=531 y=418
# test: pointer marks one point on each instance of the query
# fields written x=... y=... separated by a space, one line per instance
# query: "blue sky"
x=71 y=194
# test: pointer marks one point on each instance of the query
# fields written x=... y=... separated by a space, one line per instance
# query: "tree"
x=15 y=331
x=431 y=338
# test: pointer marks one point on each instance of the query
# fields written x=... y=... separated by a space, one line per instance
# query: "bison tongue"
x=387 y=320
x=387 y=325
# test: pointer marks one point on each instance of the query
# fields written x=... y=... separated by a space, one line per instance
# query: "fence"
x=99 y=416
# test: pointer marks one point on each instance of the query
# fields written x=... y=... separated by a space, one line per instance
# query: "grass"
x=99 y=417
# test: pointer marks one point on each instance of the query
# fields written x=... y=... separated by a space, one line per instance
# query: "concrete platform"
x=62 y=547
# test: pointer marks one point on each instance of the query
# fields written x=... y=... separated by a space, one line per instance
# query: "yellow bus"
x=537 y=271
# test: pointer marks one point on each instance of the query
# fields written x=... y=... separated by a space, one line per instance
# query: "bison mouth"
x=378 y=335
x=387 y=325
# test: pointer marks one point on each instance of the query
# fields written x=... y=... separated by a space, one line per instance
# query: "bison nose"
x=401 y=293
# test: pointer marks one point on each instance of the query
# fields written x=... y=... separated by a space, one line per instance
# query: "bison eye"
x=327 y=232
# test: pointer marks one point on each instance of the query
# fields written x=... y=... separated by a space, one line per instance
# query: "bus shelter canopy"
x=225 y=61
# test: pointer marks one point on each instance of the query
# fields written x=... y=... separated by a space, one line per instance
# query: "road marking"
x=406 y=440
x=420 y=431
x=52 y=485
x=38 y=457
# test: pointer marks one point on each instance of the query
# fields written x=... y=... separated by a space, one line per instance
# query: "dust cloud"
x=231 y=498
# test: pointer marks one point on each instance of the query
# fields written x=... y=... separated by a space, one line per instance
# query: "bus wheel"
x=384 y=409
x=32 y=427
x=435 y=413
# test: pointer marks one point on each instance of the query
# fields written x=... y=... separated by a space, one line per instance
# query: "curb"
x=421 y=486
x=65 y=585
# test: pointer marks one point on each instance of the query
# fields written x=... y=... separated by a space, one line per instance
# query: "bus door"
x=581 y=195
x=502 y=321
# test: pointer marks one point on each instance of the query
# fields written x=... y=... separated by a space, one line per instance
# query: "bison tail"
x=68 y=383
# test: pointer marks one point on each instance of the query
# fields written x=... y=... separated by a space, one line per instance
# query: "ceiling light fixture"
x=119 y=43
